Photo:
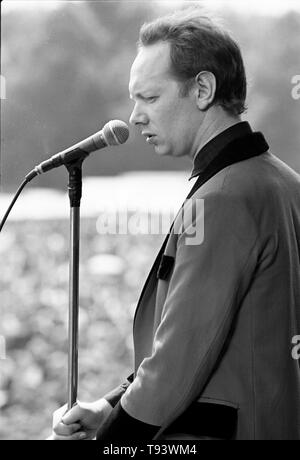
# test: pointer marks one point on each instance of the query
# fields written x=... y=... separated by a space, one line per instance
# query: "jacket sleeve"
x=208 y=283
x=120 y=426
x=114 y=396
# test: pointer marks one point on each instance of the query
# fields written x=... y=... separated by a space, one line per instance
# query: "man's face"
x=168 y=120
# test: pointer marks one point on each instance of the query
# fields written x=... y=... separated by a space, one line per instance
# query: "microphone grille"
x=115 y=132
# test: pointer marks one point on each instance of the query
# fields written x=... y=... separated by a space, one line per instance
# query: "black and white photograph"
x=150 y=223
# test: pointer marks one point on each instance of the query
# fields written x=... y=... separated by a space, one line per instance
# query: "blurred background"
x=66 y=66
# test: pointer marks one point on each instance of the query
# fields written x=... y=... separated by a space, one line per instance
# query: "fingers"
x=66 y=430
x=73 y=415
x=70 y=417
x=78 y=436
x=58 y=414
x=77 y=423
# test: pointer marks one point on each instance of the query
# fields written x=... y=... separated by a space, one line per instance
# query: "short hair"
x=197 y=43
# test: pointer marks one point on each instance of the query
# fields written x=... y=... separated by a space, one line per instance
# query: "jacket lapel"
x=239 y=149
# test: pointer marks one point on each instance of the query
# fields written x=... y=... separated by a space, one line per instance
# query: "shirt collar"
x=215 y=146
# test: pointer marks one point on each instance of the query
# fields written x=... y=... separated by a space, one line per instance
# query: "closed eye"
x=151 y=98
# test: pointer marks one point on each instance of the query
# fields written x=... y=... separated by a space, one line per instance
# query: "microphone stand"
x=75 y=193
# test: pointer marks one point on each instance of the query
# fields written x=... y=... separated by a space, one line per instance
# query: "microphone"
x=115 y=132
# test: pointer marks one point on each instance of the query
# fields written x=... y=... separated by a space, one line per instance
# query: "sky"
x=263 y=7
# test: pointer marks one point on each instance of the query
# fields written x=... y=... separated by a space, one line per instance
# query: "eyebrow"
x=138 y=95
x=148 y=89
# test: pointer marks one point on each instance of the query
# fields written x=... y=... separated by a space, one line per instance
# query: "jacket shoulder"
x=257 y=177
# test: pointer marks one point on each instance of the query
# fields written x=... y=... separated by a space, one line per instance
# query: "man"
x=215 y=321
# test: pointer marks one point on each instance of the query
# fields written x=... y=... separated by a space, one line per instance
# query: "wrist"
x=103 y=407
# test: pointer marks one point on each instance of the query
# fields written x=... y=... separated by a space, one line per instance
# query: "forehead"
x=151 y=67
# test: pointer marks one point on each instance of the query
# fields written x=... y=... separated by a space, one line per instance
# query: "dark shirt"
x=213 y=147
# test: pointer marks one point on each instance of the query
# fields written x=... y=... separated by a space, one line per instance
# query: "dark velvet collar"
x=236 y=143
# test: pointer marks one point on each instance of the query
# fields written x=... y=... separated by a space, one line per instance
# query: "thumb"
x=72 y=416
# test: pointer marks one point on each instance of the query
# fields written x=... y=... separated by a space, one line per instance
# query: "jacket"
x=214 y=325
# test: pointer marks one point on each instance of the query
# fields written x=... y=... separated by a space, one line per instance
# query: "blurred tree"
x=271 y=50
x=70 y=75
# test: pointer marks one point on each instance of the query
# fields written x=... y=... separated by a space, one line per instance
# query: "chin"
x=162 y=151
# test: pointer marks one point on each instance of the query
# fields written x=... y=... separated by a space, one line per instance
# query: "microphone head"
x=115 y=132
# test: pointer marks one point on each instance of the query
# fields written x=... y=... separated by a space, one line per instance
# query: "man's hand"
x=81 y=422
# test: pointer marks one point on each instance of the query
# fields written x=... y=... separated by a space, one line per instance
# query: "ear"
x=205 y=89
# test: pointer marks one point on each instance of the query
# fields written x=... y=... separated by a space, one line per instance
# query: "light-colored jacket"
x=218 y=328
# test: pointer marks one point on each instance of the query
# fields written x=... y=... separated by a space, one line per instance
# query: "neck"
x=214 y=122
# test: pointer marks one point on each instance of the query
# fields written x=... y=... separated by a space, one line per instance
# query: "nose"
x=138 y=116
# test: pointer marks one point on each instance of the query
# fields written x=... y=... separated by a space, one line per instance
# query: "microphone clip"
x=75 y=182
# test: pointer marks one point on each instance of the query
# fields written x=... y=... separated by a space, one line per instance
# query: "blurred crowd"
x=34 y=317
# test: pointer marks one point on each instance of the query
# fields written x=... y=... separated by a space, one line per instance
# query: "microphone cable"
x=18 y=192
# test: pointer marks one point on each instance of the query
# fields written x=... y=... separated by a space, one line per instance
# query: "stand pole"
x=75 y=190
x=73 y=306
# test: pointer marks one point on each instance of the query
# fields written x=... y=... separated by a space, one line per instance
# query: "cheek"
x=171 y=123
x=171 y=120
x=167 y=112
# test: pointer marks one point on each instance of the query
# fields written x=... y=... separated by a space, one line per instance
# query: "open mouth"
x=150 y=138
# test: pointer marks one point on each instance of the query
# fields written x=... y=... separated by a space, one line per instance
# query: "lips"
x=149 y=137
x=150 y=140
